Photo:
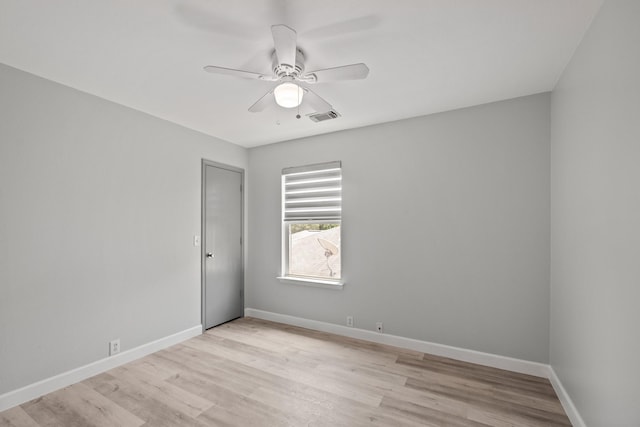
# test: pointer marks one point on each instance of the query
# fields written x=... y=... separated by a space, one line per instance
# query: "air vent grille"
x=321 y=117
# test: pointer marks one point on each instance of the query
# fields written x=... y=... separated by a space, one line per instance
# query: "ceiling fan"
x=289 y=73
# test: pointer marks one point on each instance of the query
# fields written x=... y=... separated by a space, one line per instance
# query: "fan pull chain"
x=298 y=115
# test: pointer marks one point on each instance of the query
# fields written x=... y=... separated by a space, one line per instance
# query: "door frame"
x=203 y=234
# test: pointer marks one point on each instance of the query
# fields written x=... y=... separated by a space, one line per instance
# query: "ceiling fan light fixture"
x=288 y=95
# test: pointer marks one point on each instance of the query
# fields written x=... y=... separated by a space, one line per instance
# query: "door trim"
x=203 y=234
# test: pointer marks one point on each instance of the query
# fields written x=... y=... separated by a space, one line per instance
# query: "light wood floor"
x=255 y=373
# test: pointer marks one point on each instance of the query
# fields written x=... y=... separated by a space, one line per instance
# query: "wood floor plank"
x=16 y=417
x=79 y=405
x=248 y=412
x=293 y=371
x=427 y=414
x=163 y=391
x=252 y=372
x=149 y=366
x=489 y=376
x=494 y=403
x=143 y=406
x=472 y=390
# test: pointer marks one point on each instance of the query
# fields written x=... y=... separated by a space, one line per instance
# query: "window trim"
x=312 y=282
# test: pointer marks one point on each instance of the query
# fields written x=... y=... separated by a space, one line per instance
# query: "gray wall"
x=595 y=216
x=98 y=206
x=445 y=228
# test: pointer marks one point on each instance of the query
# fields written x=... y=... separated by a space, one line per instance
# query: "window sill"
x=316 y=283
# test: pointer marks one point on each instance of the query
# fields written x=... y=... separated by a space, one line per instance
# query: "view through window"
x=314 y=250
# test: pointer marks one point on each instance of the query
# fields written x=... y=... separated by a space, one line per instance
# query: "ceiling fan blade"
x=262 y=103
x=345 y=72
x=284 y=40
x=238 y=73
x=314 y=100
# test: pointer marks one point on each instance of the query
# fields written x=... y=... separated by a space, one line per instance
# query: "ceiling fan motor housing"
x=284 y=70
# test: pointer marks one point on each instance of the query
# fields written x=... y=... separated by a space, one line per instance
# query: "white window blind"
x=312 y=193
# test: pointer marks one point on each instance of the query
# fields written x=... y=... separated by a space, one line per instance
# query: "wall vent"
x=321 y=117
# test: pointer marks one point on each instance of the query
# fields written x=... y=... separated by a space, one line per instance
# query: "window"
x=311 y=220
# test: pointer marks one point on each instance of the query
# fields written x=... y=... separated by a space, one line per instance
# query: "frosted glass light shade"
x=288 y=95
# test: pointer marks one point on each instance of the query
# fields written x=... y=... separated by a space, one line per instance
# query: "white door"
x=222 y=244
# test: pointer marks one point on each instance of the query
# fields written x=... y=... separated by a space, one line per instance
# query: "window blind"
x=312 y=193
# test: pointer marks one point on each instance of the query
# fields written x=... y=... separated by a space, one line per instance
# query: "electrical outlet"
x=114 y=347
x=379 y=327
x=350 y=321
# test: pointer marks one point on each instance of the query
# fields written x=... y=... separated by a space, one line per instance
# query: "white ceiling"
x=425 y=56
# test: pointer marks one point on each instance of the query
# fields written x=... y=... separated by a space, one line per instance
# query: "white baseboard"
x=567 y=403
x=32 y=391
x=472 y=356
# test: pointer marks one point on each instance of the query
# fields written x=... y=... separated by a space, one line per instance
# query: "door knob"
x=209 y=255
